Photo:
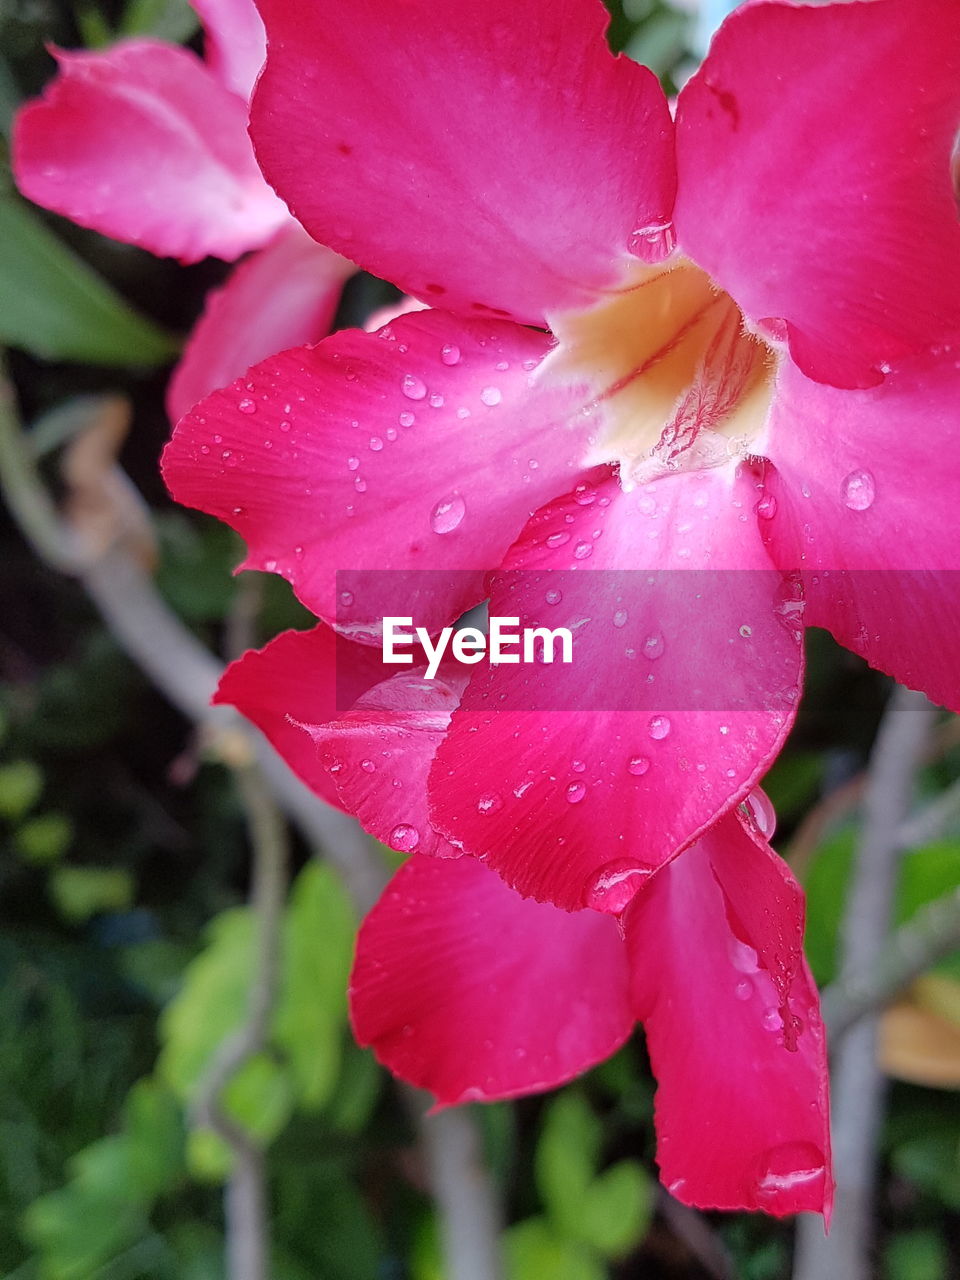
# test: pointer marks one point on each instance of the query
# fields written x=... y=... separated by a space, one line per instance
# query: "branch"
x=245 y=1208
x=858 y=1082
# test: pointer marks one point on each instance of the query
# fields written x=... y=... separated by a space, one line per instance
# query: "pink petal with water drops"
x=298 y=681
x=236 y=42
x=865 y=489
x=422 y=447
x=142 y=143
x=466 y=989
x=813 y=198
x=283 y=296
x=490 y=157
x=576 y=782
x=733 y=1029
x=379 y=754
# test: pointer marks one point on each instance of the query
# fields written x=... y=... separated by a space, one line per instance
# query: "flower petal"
x=812 y=197
x=865 y=487
x=733 y=1029
x=493 y=155
x=141 y=142
x=283 y=296
x=577 y=781
x=294 y=683
x=464 y=988
x=236 y=43
x=419 y=447
x=379 y=754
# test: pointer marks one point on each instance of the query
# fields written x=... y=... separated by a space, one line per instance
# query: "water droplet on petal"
x=553 y=596
x=859 y=490
x=353 y=464
x=489 y=803
x=404 y=838
x=767 y=507
x=659 y=727
x=583 y=495
x=575 y=792
x=246 y=405
x=376 y=444
x=620 y=618
x=638 y=766
x=582 y=550
x=346 y=598
x=412 y=387
x=759 y=809
x=614 y=886
x=367 y=766
x=653 y=646
x=558 y=539
x=790 y=1167
x=746 y=631
x=772 y=1020
x=743 y=990
x=491 y=396
x=578 y=766
x=448 y=514
x=406 y=418
x=450 y=354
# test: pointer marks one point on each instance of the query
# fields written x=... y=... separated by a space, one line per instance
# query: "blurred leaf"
x=211 y=1003
x=260 y=1098
x=617 y=1209
x=171 y=20
x=328 y=1224
x=82 y=892
x=932 y=1162
x=916 y=1255
x=58 y=308
x=312 y=1011
x=21 y=782
x=358 y=1090
x=566 y=1159
x=44 y=838
x=793 y=782
x=533 y=1252
x=76 y=1233
x=918 y=1046
x=197 y=559
x=94 y=30
x=153 y=1126
x=826 y=881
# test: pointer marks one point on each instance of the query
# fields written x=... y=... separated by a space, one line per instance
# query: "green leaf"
x=171 y=20
x=81 y=892
x=44 y=838
x=617 y=1210
x=534 y=1252
x=916 y=1255
x=566 y=1159
x=312 y=1012
x=58 y=308
x=153 y=1126
x=826 y=881
x=21 y=782
x=260 y=1098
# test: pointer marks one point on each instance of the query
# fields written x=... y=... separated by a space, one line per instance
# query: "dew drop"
x=376 y=444
x=767 y=507
x=859 y=490
x=450 y=354
x=367 y=766
x=353 y=464
x=553 y=596
x=620 y=618
x=771 y=1020
x=659 y=727
x=558 y=539
x=653 y=646
x=790 y=1167
x=578 y=766
x=491 y=396
x=404 y=838
x=448 y=514
x=412 y=387
x=759 y=809
x=489 y=803
x=346 y=598
x=246 y=405
x=583 y=495
x=614 y=886
x=638 y=766
x=746 y=631
x=436 y=400
x=743 y=990
x=575 y=792
x=582 y=551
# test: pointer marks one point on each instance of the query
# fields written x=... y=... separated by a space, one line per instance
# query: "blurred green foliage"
x=126 y=947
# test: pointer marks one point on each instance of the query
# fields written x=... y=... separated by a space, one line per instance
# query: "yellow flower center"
x=676 y=382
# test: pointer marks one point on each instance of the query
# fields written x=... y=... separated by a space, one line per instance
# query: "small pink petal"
x=142 y=143
x=733 y=1029
x=283 y=296
x=489 y=158
x=464 y=988
x=236 y=43
x=813 y=198
x=300 y=679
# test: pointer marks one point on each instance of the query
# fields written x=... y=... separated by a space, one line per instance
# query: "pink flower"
x=722 y=343
x=147 y=143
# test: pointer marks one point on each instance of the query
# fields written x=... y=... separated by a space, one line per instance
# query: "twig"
x=245 y=1207
x=858 y=1082
x=933 y=820
x=696 y=1233
x=932 y=934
